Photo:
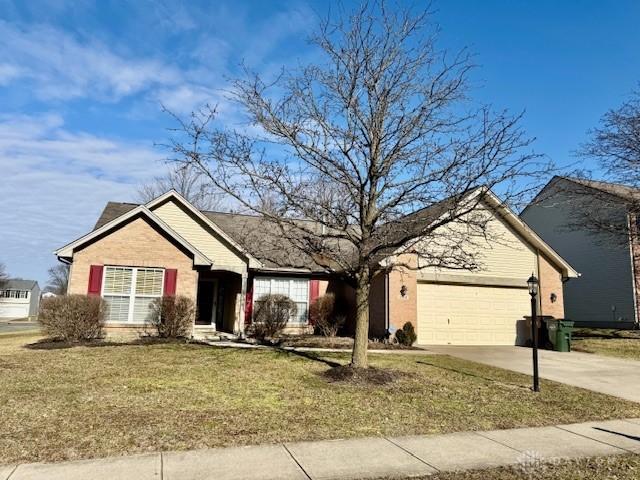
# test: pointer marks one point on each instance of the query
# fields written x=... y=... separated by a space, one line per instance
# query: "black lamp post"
x=533 y=291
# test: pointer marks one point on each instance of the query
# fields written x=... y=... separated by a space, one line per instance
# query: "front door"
x=207 y=302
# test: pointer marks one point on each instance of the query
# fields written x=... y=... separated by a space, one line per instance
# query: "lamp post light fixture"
x=533 y=284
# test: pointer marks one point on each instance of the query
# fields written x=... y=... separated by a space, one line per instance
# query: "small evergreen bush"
x=406 y=335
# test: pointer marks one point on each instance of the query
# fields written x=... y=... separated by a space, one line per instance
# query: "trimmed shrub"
x=72 y=318
x=271 y=315
x=406 y=335
x=323 y=313
x=173 y=316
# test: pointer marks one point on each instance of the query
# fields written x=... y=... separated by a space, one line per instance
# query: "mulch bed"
x=317 y=341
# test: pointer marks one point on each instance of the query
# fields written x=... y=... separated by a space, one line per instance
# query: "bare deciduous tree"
x=355 y=143
x=4 y=276
x=58 y=279
x=616 y=143
x=188 y=182
x=607 y=209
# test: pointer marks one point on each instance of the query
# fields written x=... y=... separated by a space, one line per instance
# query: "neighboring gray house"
x=571 y=215
x=19 y=298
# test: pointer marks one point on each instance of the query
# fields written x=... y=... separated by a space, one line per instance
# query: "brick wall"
x=550 y=283
x=137 y=244
x=403 y=308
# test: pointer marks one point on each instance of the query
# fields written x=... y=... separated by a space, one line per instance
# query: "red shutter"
x=170 y=282
x=314 y=293
x=248 y=303
x=95 y=280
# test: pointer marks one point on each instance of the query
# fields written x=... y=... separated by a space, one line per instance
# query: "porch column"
x=242 y=296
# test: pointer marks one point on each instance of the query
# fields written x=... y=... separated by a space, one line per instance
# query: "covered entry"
x=450 y=314
x=219 y=301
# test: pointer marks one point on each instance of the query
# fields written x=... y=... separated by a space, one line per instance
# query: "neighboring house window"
x=129 y=292
x=14 y=293
x=294 y=288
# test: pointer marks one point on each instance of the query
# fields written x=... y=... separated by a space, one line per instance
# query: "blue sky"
x=81 y=85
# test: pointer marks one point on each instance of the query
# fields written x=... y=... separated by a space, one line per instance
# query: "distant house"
x=606 y=295
x=19 y=298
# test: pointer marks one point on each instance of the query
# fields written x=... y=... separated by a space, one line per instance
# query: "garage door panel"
x=14 y=310
x=469 y=315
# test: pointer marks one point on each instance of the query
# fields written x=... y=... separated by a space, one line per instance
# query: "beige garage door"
x=469 y=315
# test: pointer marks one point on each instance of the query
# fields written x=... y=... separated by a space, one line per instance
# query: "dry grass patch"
x=120 y=399
x=609 y=342
x=618 y=467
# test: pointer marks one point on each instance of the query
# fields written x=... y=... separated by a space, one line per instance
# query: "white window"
x=14 y=293
x=129 y=292
x=295 y=288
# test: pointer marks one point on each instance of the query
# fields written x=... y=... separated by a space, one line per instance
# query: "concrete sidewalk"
x=356 y=458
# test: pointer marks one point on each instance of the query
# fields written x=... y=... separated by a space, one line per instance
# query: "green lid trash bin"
x=560 y=334
x=563 y=337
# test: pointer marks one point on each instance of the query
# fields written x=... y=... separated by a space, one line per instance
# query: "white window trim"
x=271 y=281
x=132 y=293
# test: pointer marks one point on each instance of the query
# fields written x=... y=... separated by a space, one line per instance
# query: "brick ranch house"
x=166 y=246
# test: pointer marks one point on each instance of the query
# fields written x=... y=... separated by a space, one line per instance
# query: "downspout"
x=630 y=225
x=386 y=303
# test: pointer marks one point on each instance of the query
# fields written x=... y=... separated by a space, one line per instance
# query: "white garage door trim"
x=453 y=314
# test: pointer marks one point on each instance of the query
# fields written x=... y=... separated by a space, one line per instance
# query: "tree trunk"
x=361 y=341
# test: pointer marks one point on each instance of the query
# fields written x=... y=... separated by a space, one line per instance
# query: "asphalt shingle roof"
x=616 y=189
x=264 y=241
x=19 y=284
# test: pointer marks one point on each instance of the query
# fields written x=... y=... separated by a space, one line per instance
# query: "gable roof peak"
x=626 y=192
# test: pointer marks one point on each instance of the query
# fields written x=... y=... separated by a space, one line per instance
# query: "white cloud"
x=186 y=98
x=55 y=182
x=55 y=64
x=9 y=72
x=63 y=67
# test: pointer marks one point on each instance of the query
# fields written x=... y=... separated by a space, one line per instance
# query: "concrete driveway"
x=12 y=326
x=612 y=376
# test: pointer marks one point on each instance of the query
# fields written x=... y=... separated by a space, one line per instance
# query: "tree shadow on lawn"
x=345 y=373
x=475 y=375
x=309 y=356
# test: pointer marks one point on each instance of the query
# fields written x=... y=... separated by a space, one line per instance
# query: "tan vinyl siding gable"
x=199 y=235
x=503 y=254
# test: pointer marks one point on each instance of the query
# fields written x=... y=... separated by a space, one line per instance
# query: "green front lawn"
x=614 y=343
x=95 y=401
